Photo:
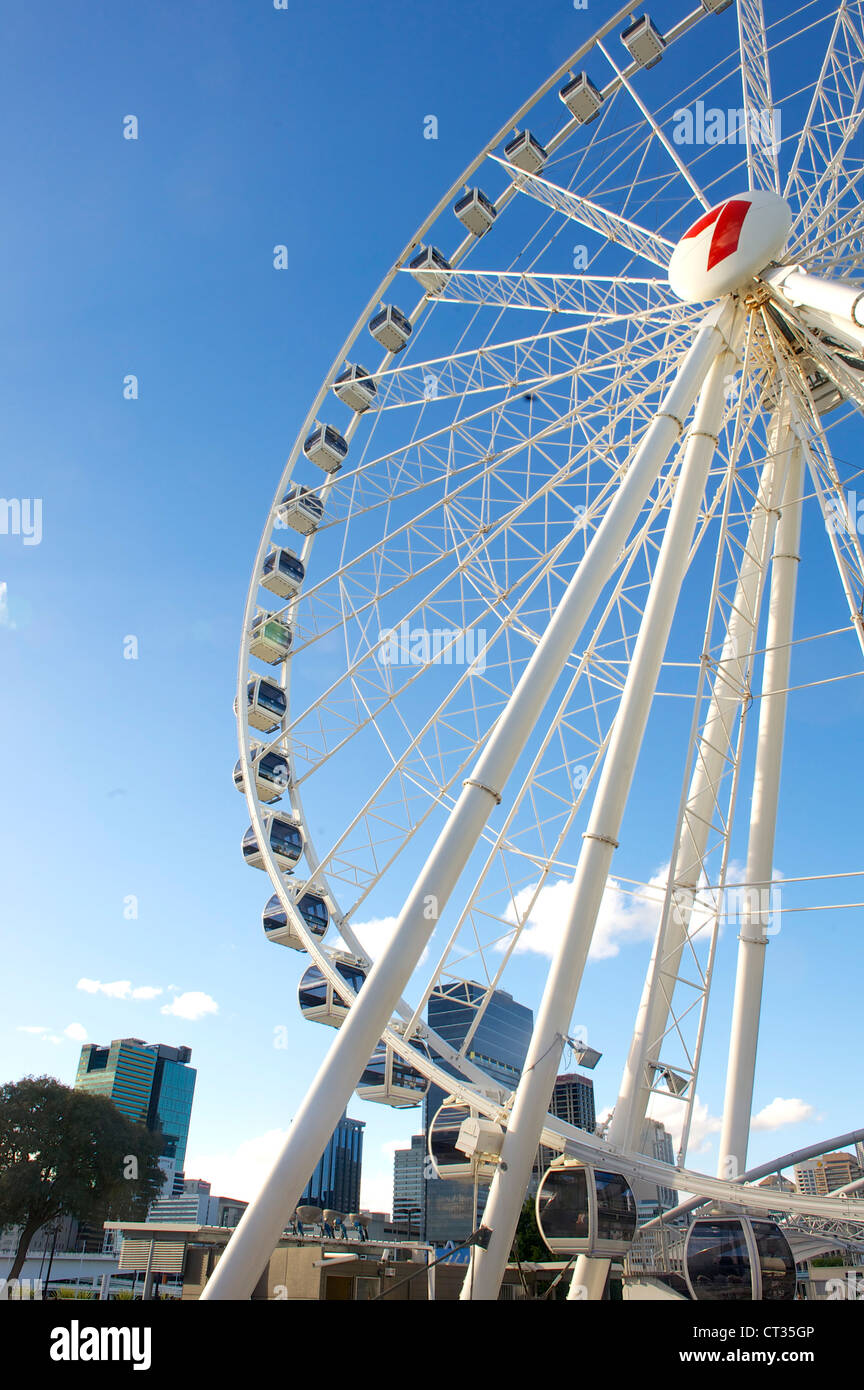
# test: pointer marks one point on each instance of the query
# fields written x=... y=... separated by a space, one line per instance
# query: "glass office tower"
x=335 y=1183
x=152 y=1084
x=498 y=1046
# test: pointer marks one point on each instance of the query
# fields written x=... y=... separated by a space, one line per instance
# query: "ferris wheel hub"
x=727 y=246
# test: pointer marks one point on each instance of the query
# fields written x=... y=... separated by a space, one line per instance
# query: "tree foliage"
x=528 y=1243
x=68 y=1153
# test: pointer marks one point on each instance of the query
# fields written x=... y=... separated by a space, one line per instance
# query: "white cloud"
x=670 y=1112
x=622 y=917
x=782 y=1112
x=32 y=1028
x=375 y=936
x=239 y=1172
x=118 y=989
x=191 y=1005
x=5 y=620
x=76 y=1031
x=115 y=989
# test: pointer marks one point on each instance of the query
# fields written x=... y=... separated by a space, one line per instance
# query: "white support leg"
x=726 y=697
x=531 y=1101
x=753 y=941
x=262 y=1223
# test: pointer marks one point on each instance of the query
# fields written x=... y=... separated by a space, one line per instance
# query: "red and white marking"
x=729 y=245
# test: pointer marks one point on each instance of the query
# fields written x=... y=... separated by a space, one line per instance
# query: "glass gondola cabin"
x=448 y=1136
x=738 y=1259
x=390 y=328
x=326 y=447
x=270 y=639
x=279 y=926
x=286 y=841
x=355 y=388
x=319 y=1001
x=643 y=42
x=266 y=704
x=475 y=211
x=271 y=773
x=525 y=152
x=301 y=509
x=585 y=1211
x=428 y=268
x=282 y=572
x=582 y=98
x=390 y=1080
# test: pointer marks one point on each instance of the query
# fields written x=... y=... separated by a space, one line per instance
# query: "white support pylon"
x=263 y=1221
x=753 y=940
x=532 y=1095
x=672 y=933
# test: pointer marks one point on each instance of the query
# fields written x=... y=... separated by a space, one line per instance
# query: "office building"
x=572 y=1101
x=409 y=1186
x=197 y=1205
x=656 y=1142
x=335 y=1183
x=153 y=1085
x=818 y=1176
x=498 y=1046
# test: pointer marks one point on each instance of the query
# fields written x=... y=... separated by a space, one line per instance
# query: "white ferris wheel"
x=546 y=510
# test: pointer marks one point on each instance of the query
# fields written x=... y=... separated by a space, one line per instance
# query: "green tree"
x=528 y=1243
x=67 y=1153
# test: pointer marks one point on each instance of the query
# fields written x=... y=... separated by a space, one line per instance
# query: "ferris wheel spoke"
x=457 y=446
x=536 y=361
x=759 y=118
x=825 y=162
x=659 y=134
x=602 y=298
x=521 y=897
x=649 y=245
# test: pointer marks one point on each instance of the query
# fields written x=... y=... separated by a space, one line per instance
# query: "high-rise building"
x=498 y=1046
x=153 y=1085
x=816 y=1177
x=656 y=1142
x=335 y=1183
x=409 y=1186
x=572 y=1101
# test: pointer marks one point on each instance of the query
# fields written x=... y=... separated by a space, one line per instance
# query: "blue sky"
x=154 y=257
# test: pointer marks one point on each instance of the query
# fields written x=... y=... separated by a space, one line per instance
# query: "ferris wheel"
x=548 y=505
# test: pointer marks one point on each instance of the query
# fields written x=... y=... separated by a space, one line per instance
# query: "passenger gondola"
x=354 y=387
x=279 y=926
x=326 y=447
x=286 y=841
x=643 y=42
x=389 y=1080
x=459 y=1147
x=271 y=773
x=582 y=99
x=525 y=152
x=390 y=328
x=282 y=573
x=301 y=509
x=738 y=1259
x=585 y=1211
x=475 y=211
x=429 y=269
x=319 y=1001
x=270 y=639
x=266 y=704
